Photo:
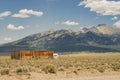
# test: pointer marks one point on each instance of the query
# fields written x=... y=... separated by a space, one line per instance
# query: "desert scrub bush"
x=21 y=70
x=116 y=67
x=101 y=69
x=5 y=71
x=50 y=69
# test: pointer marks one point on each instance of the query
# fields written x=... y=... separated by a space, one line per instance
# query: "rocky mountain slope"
x=101 y=38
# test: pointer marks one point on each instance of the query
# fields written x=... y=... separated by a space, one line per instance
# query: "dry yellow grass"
x=70 y=64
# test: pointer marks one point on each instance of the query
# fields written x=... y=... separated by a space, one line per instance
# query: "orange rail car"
x=27 y=54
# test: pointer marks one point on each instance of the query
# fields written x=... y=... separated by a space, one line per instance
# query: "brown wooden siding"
x=24 y=54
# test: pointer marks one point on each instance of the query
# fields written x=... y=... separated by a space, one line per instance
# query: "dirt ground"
x=61 y=76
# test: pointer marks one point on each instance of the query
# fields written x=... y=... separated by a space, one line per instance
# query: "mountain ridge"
x=101 y=38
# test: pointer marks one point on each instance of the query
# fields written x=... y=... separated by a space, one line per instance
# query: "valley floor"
x=84 y=66
x=61 y=76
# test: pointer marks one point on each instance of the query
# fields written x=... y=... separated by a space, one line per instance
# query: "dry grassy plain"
x=84 y=66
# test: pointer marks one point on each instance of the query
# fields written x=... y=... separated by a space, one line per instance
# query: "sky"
x=20 y=18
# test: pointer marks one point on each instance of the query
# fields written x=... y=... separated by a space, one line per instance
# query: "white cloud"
x=24 y=13
x=70 y=23
x=13 y=27
x=103 y=7
x=115 y=18
x=20 y=16
x=4 y=14
x=117 y=24
x=7 y=38
x=31 y=12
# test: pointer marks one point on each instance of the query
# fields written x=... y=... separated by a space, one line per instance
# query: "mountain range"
x=100 y=38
